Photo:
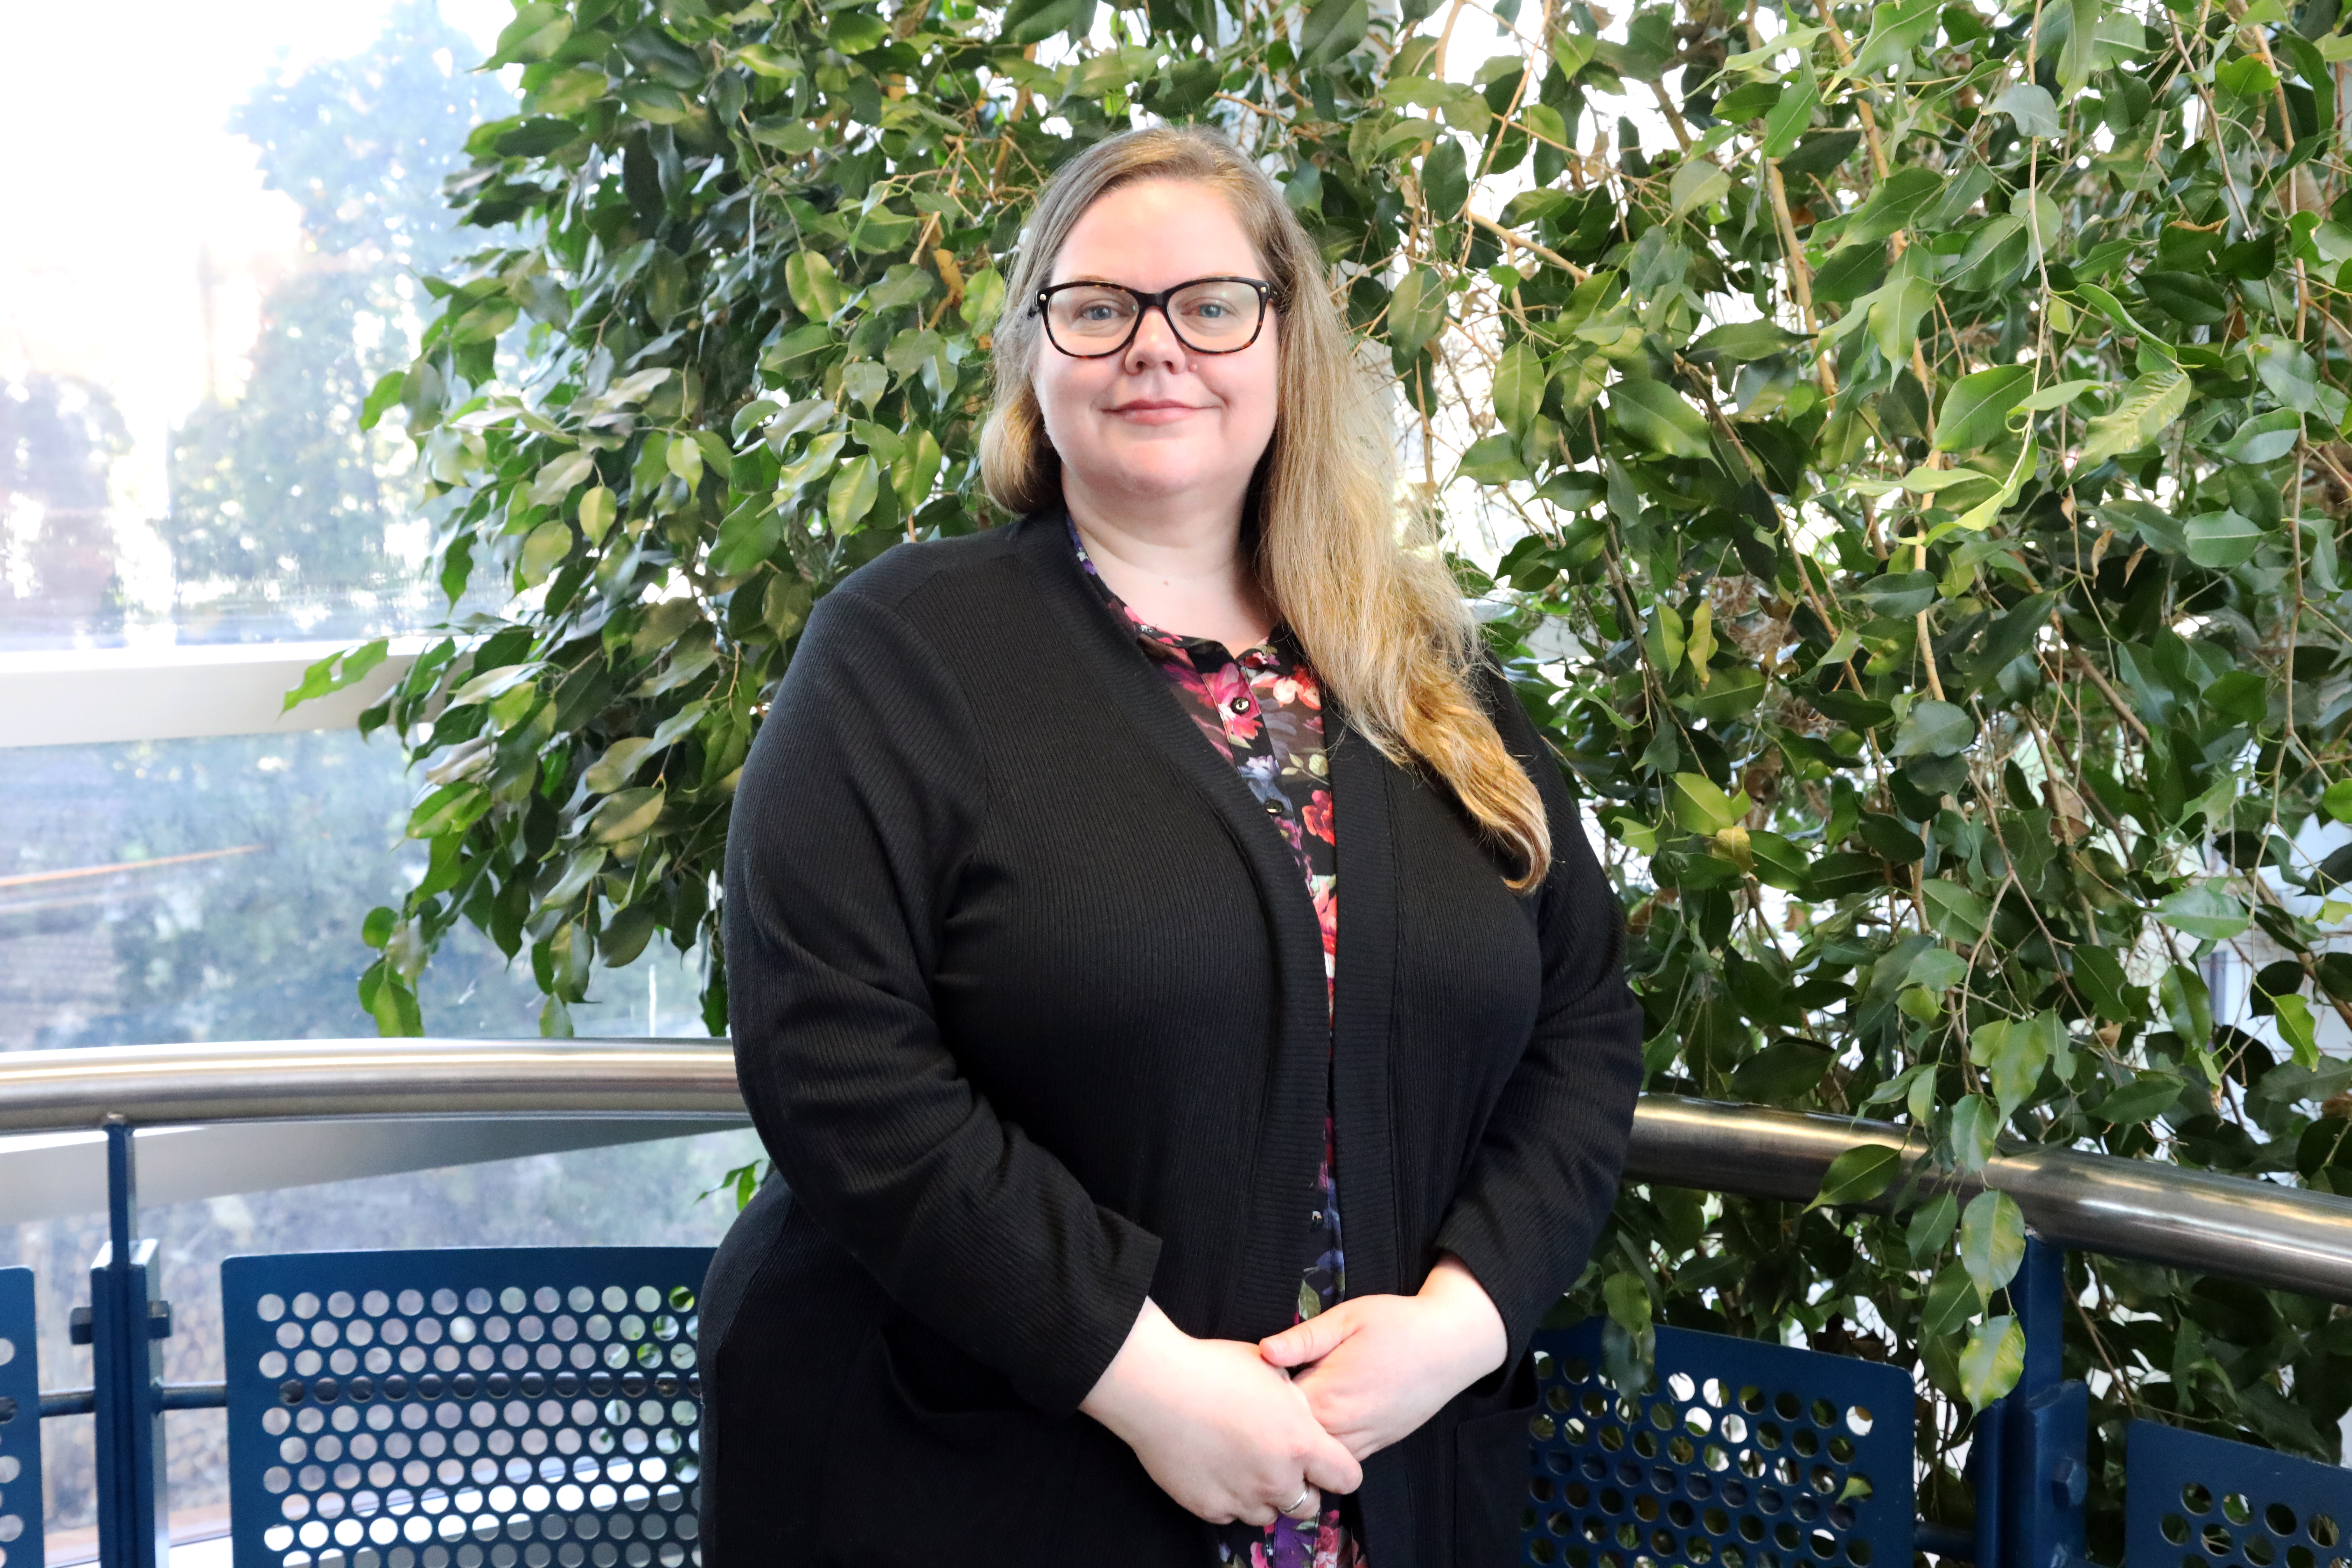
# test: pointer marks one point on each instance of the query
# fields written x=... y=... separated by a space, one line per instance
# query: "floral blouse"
x=1263 y=711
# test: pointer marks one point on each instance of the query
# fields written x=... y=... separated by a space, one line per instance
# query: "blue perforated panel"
x=20 y=1423
x=2211 y=1503
x=466 y=1408
x=1743 y=1456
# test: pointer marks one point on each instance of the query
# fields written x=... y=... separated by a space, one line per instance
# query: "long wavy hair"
x=1382 y=619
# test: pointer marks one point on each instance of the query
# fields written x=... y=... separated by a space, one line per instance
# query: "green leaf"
x=2267 y=437
x=2147 y=406
x=2220 y=540
x=1659 y=418
x=2337 y=801
x=1332 y=30
x=1416 y=310
x=1993 y=1360
x=2203 y=910
x=1992 y=1240
x=814 y=287
x=1934 y=729
x=2186 y=296
x=1445 y=177
x=1698 y=182
x=596 y=513
x=1976 y=411
x=614 y=770
x=1033 y=21
x=630 y=814
x=1858 y=1175
x=1519 y=378
x=1493 y=461
x=337 y=672
x=1743 y=341
x=1895 y=31
x=852 y=493
x=1976 y=1123
x=1701 y=807
x=1898 y=595
x=2287 y=369
x=549 y=543
x=1931 y=1228
x=2148 y=1094
x=2033 y=107
x=1791 y=116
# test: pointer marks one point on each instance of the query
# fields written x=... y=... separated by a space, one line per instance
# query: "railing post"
x=127 y=1370
x=2028 y=1460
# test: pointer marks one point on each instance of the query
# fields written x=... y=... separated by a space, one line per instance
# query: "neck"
x=1176 y=560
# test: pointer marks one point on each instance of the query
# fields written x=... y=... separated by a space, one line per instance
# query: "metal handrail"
x=2281 y=1238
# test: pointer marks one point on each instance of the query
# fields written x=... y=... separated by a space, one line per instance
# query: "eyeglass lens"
x=1208 y=316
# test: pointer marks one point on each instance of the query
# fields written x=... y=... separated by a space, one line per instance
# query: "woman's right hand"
x=1226 y=1434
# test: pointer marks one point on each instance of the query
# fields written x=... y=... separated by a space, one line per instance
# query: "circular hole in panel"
x=1698 y=1420
x=1612 y=1438
x=1823 y=1413
x=1680 y=1514
x=1735 y=1429
x=1540 y=1428
x=1645 y=1509
x=1857 y=1552
x=2236 y=1508
x=1541 y=1549
x=1751 y=1399
x=1822 y=1545
x=1824 y=1479
x=1546 y=1365
x=2323 y=1530
x=1714 y=1457
x=614 y=1299
x=270 y=1308
x=409 y=1302
x=1627 y=1535
x=1662 y=1416
x=1612 y=1501
x=1577 y=1369
x=273 y=1365
x=1751 y=1529
x=1784 y=1535
x=2175 y=1529
x=444 y=1301
x=1733 y=1557
x=1646 y=1445
x=478 y=1300
x=1701 y=1549
x=1662 y=1542
x=1716 y=1520
x=1681 y=1449
x=375 y=1303
x=2196 y=1498
x=341 y=1305
x=2259 y=1550
x=648 y=1299
x=1699 y=1484
x=2280 y=1519
x=1573 y=1430
x=1712 y=1392
x=1858 y=1419
x=1768 y=1435
x=1751 y=1463
x=1806 y=1441
x=2216 y=1539
x=1842 y=1450
x=306 y=1305
x=1558 y=1399
x=1682 y=1386
x=1786 y=1406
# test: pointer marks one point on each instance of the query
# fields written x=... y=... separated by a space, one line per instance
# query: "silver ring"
x=1304 y=1493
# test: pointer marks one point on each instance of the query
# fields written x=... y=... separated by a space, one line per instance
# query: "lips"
x=1149 y=407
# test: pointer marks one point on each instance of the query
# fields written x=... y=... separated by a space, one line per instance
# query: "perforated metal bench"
x=2195 y=1501
x=20 y=1423
x=1743 y=1455
x=463 y=1408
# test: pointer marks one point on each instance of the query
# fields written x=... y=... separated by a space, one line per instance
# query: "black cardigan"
x=1028 y=1006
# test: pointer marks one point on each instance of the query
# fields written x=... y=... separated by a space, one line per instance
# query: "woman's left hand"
x=1376 y=1367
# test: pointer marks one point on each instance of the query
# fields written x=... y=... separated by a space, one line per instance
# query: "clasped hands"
x=1238 y=1431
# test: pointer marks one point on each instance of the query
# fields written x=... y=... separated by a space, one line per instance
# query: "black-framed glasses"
x=1087 y=319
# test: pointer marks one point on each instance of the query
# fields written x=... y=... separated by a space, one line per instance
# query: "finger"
x=1310 y=1503
x=1334 y=1469
x=1310 y=1341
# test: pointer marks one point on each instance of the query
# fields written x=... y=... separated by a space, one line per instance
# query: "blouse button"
x=1274 y=808
x=1241 y=704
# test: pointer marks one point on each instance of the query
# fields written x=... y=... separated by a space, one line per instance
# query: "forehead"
x=1154 y=233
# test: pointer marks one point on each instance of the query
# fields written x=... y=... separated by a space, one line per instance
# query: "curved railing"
x=2273 y=1236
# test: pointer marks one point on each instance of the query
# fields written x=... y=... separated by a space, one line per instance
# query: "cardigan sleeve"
x=1544 y=1175
x=863 y=792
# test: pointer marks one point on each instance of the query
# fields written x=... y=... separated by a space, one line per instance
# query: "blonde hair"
x=1383 y=625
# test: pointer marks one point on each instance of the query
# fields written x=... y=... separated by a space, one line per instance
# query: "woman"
x=1043 y=1003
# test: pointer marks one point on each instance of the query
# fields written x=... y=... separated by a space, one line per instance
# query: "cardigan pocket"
x=913 y=1477
x=1490 y=1487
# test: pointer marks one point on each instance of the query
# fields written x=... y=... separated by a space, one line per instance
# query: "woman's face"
x=1158 y=419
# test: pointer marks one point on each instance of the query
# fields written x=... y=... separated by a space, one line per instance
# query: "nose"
x=1155 y=343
